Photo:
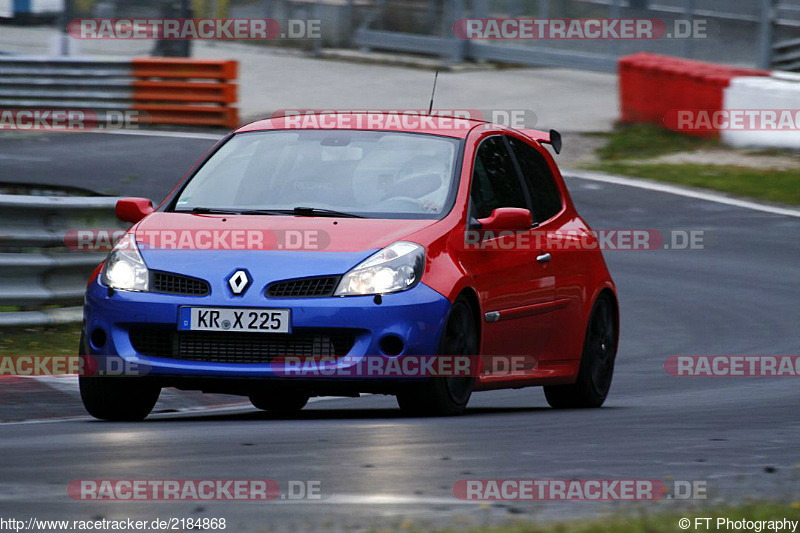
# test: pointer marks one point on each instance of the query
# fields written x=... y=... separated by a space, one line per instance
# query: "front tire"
x=597 y=362
x=446 y=396
x=118 y=399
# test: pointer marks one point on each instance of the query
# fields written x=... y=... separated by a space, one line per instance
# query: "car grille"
x=240 y=347
x=167 y=283
x=155 y=342
x=303 y=288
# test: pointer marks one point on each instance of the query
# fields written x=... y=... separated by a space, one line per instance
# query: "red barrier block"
x=652 y=85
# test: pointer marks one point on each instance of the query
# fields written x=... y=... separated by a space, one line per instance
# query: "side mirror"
x=507 y=218
x=133 y=209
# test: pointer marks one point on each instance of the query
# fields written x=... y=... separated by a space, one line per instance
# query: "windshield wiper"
x=298 y=211
x=274 y=212
x=302 y=212
x=319 y=212
x=209 y=211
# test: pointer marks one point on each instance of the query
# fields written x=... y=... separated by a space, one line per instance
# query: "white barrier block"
x=761 y=93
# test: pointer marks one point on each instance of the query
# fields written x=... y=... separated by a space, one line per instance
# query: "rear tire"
x=446 y=396
x=280 y=402
x=118 y=399
x=597 y=362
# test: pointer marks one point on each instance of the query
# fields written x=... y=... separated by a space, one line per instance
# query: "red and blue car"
x=355 y=239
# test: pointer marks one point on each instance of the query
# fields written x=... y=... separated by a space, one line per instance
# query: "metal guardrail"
x=37 y=270
x=163 y=91
x=751 y=27
x=786 y=55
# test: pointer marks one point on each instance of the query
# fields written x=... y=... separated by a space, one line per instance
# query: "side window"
x=545 y=197
x=494 y=180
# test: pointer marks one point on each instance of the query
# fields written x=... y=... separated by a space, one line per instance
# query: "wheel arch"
x=609 y=292
x=471 y=296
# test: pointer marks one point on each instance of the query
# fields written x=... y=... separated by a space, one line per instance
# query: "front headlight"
x=395 y=268
x=125 y=269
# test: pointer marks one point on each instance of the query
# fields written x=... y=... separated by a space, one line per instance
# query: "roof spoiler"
x=553 y=138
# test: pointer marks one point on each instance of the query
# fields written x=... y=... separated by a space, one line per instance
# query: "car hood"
x=284 y=246
x=282 y=232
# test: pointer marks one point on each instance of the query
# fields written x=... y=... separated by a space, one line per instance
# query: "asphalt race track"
x=737 y=296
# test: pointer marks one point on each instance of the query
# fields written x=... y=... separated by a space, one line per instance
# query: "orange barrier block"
x=172 y=68
x=168 y=91
x=188 y=115
x=172 y=91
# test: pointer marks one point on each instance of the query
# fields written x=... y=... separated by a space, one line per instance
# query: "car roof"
x=400 y=121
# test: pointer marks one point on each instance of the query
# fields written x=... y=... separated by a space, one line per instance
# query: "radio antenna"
x=433 y=93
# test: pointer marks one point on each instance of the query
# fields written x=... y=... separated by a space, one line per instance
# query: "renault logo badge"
x=239 y=282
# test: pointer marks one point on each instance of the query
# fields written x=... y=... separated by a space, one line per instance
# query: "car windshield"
x=372 y=174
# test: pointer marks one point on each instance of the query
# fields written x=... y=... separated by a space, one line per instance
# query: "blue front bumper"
x=416 y=316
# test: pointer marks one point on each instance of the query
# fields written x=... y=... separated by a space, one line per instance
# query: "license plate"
x=233 y=319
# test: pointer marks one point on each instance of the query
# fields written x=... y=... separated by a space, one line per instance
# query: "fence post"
x=765 y=33
x=688 y=44
x=66 y=17
x=350 y=27
x=459 y=45
x=614 y=11
x=185 y=46
x=316 y=44
x=516 y=8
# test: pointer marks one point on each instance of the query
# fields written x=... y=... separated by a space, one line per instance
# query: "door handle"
x=544 y=258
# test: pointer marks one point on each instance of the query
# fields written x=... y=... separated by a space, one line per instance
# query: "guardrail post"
x=459 y=45
x=479 y=10
x=688 y=44
x=349 y=22
x=544 y=9
x=66 y=17
x=185 y=46
x=170 y=48
x=614 y=11
x=316 y=43
x=766 y=33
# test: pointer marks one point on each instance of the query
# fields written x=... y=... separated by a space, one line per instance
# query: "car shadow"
x=311 y=414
